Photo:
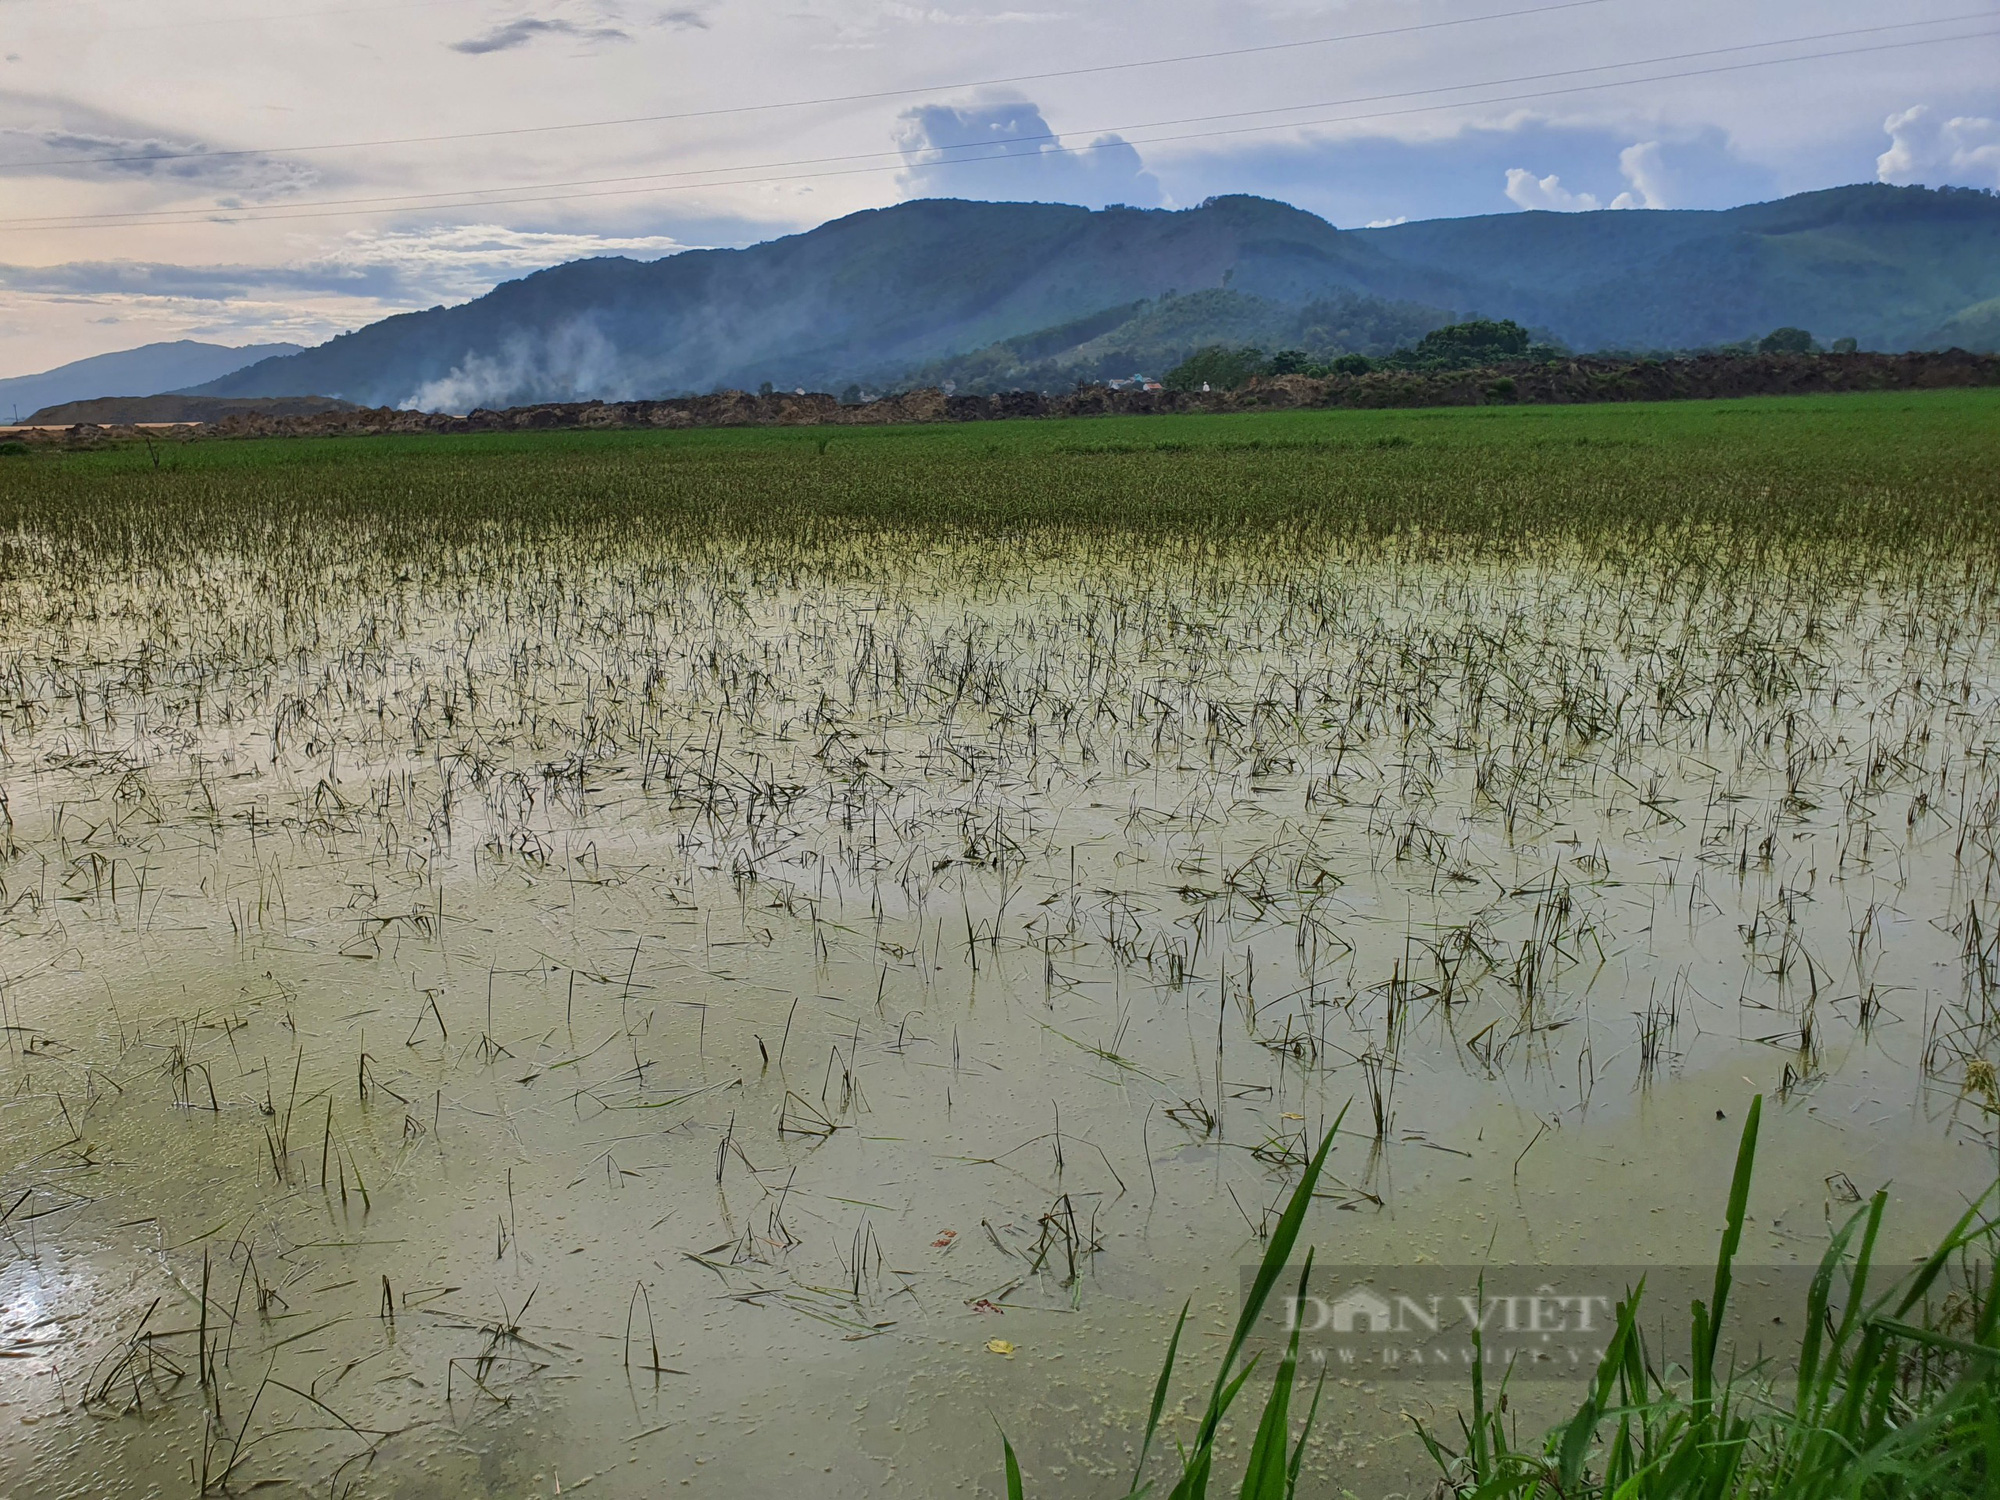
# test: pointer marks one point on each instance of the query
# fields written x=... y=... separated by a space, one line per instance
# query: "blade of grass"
x=1159 y=1397
x=1708 y=1319
x=1264 y=1478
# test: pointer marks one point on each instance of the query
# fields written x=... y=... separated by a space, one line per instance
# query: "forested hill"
x=1887 y=266
x=877 y=296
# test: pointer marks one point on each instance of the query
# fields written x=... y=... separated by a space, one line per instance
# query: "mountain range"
x=1038 y=291
x=143 y=371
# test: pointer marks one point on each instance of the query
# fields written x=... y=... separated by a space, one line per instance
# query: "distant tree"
x=1786 y=341
x=764 y=389
x=1468 y=345
x=1350 y=364
x=1289 y=362
x=1846 y=346
x=1217 y=366
x=1479 y=342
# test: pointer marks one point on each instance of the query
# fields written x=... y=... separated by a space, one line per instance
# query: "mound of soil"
x=1565 y=383
x=107 y=411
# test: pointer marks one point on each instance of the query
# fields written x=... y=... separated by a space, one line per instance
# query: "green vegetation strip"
x=1891 y=468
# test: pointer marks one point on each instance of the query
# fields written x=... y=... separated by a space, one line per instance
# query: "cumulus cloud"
x=1530 y=191
x=1644 y=169
x=1642 y=166
x=1964 y=149
x=1018 y=158
x=518 y=33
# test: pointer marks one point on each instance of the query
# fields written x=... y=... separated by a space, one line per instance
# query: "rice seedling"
x=1275 y=1458
x=741 y=867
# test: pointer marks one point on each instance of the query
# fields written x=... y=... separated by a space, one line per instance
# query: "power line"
x=660 y=181
x=897 y=93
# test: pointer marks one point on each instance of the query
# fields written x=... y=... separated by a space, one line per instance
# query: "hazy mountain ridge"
x=143 y=371
x=913 y=287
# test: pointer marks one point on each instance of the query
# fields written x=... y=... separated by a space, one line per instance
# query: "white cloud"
x=1643 y=168
x=1005 y=150
x=455 y=261
x=1389 y=223
x=1923 y=149
x=1640 y=164
x=1911 y=136
x=1530 y=191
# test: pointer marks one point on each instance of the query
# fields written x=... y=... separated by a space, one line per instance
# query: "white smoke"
x=574 y=362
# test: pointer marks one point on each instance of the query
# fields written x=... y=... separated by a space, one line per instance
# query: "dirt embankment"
x=111 y=411
x=1573 y=382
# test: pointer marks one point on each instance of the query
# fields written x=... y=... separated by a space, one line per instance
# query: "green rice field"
x=746 y=962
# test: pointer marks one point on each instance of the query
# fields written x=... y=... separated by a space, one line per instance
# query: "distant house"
x=1135 y=383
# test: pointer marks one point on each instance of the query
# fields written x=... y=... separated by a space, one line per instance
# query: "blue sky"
x=247 y=170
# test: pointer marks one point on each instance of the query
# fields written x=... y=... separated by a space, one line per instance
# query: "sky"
x=250 y=170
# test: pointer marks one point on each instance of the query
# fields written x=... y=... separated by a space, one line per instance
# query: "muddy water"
x=665 y=1027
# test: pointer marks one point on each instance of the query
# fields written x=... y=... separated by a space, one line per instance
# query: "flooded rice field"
x=595 y=1010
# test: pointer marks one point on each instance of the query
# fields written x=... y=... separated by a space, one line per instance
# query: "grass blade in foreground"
x=1271 y=1476
x=1883 y=1408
